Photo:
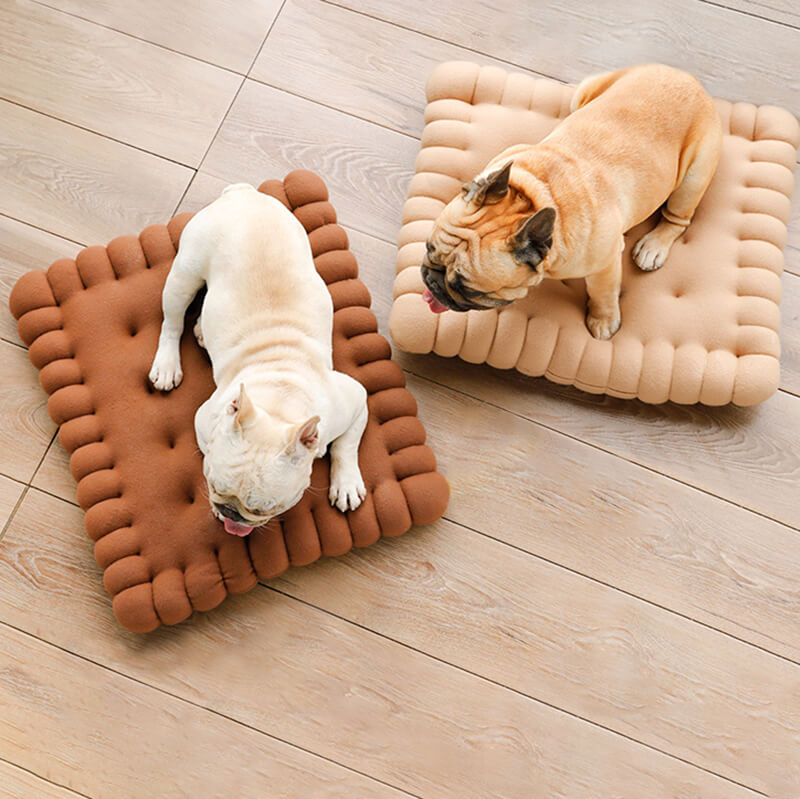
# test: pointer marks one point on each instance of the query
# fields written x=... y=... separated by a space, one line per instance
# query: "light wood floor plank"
x=269 y=132
x=10 y=492
x=786 y=11
x=353 y=62
x=749 y=456
x=320 y=683
x=110 y=83
x=227 y=33
x=104 y=735
x=54 y=476
x=16 y=783
x=790 y=334
x=737 y=57
x=23 y=248
x=25 y=426
x=77 y=184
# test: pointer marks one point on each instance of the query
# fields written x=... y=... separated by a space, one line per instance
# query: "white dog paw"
x=166 y=373
x=650 y=253
x=347 y=489
x=603 y=327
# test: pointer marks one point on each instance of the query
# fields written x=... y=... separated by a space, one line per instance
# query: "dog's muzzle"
x=434 y=282
x=229 y=512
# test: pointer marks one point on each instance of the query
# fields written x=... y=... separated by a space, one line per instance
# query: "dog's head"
x=488 y=246
x=257 y=468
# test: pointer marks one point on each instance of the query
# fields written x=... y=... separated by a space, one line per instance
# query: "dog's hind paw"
x=347 y=490
x=166 y=372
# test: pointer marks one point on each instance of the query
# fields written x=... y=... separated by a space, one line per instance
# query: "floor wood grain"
x=110 y=83
x=227 y=33
x=331 y=685
x=610 y=607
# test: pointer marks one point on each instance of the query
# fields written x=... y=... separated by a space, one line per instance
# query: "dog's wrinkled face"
x=487 y=248
x=256 y=469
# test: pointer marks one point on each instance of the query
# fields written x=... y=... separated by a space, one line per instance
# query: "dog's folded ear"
x=243 y=410
x=533 y=238
x=306 y=435
x=488 y=189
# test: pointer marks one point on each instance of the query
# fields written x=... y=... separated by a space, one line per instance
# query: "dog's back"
x=263 y=288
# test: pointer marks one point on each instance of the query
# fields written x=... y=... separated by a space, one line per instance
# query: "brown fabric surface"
x=92 y=325
x=703 y=328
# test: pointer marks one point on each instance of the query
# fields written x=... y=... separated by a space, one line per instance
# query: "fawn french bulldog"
x=636 y=140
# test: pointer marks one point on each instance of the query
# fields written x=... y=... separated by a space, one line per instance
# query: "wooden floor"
x=611 y=607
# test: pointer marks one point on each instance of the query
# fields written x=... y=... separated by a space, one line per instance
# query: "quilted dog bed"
x=92 y=325
x=703 y=328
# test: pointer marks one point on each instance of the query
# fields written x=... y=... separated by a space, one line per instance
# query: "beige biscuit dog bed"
x=704 y=328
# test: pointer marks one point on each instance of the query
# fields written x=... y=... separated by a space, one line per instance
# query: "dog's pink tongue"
x=234 y=528
x=433 y=303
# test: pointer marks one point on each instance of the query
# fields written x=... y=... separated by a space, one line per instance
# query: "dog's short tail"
x=591 y=87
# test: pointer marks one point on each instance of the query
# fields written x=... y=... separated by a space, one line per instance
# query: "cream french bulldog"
x=636 y=140
x=266 y=324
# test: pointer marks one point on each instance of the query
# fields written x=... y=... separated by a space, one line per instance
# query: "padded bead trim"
x=161 y=576
x=757 y=170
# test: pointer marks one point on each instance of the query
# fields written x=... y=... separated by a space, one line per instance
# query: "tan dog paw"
x=651 y=251
x=603 y=327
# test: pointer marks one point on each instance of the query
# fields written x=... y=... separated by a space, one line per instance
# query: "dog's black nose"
x=231 y=513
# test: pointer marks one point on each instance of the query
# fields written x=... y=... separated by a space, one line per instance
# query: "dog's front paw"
x=651 y=251
x=347 y=489
x=603 y=327
x=166 y=373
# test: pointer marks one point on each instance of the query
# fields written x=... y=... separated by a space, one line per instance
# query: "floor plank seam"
x=94 y=133
x=607 y=451
x=333 y=108
x=517 y=691
x=134 y=36
x=543 y=559
x=13 y=513
x=625 y=592
x=750 y=14
x=45 y=779
x=443 y=41
x=198 y=705
x=42 y=229
x=228 y=111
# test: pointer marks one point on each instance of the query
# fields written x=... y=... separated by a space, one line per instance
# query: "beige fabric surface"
x=703 y=328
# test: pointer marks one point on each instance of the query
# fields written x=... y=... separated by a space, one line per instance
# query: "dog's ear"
x=243 y=410
x=488 y=189
x=533 y=238
x=306 y=435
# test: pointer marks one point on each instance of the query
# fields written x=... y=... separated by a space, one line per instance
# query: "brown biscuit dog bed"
x=704 y=328
x=92 y=325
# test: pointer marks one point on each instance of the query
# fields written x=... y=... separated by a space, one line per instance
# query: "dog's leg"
x=603 y=317
x=179 y=290
x=652 y=249
x=347 y=488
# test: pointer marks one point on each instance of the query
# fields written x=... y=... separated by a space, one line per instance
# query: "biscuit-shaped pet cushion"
x=704 y=328
x=92 y=325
